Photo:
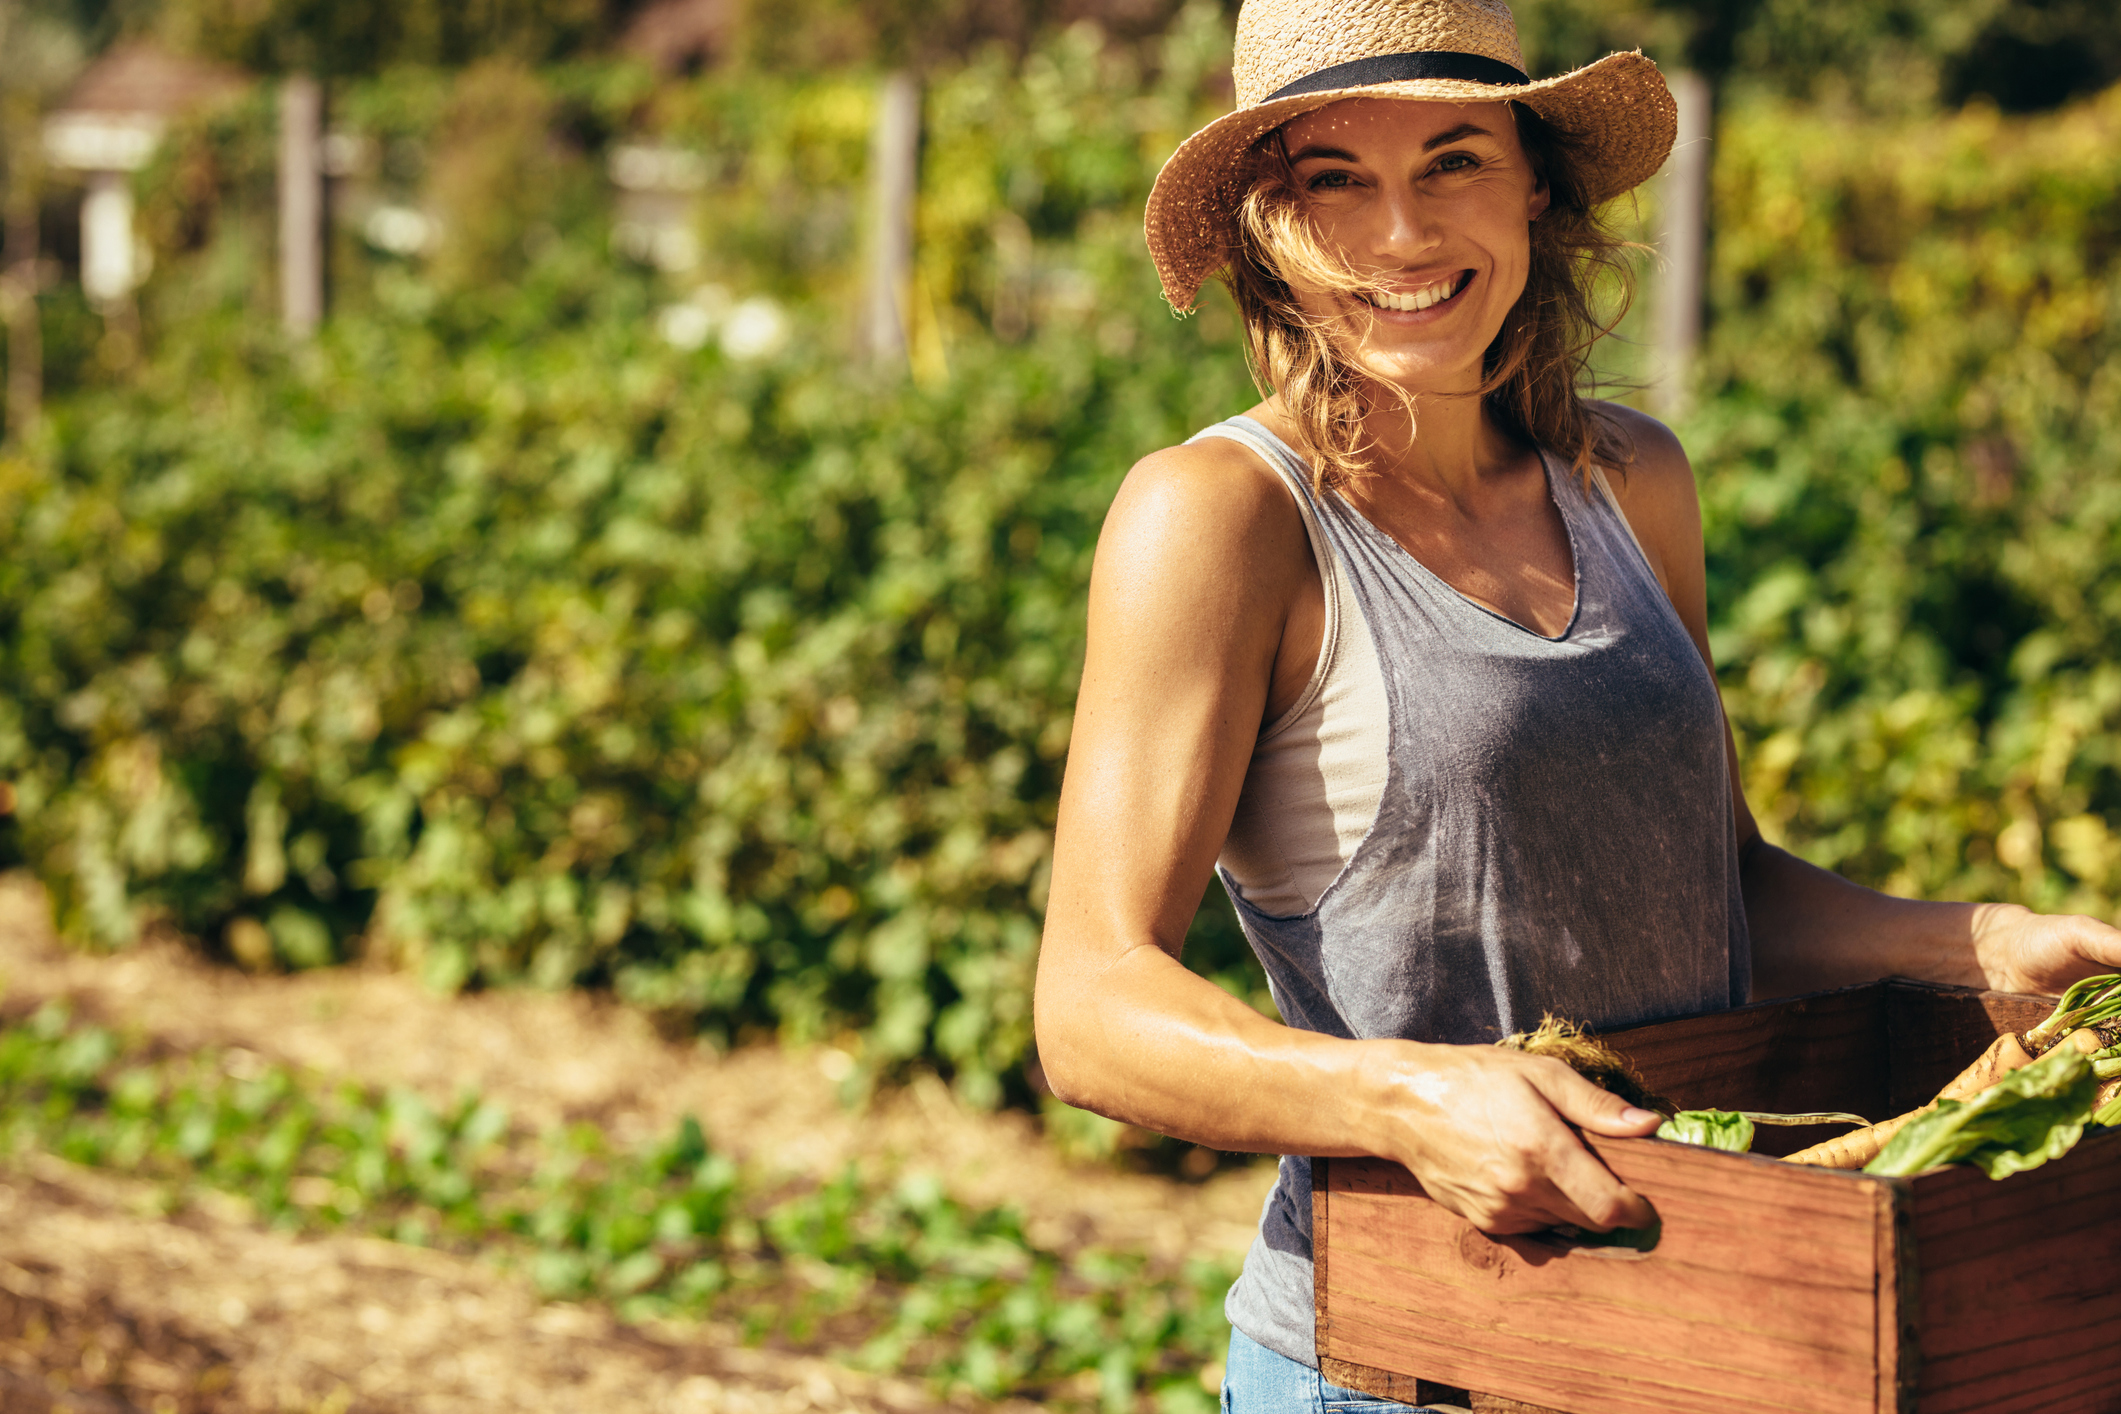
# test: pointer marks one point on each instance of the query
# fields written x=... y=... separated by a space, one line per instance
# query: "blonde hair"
x=1531 y=372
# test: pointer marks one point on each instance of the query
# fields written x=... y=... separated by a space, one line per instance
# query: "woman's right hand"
x=1488 y=1131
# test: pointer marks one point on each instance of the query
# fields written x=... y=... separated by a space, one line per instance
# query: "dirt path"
x=105 y=1308
x=338 y=1324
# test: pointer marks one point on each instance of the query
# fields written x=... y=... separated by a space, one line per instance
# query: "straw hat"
x=1297 y=55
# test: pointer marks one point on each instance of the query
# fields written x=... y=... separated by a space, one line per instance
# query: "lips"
x=1425 y=297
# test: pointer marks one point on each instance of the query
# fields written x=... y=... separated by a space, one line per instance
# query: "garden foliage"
x=891 y=1274
x=1910 y=439
x=498 y=633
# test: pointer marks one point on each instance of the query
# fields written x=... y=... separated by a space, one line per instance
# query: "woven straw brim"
x=1618 y=107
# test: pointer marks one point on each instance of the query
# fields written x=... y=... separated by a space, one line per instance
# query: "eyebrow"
x=1341 y=154
x=1336 y=154
x=1449 y=135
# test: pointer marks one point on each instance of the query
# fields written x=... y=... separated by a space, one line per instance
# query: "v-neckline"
x=1568 y=530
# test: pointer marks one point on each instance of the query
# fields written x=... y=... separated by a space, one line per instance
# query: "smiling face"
x=1430 y=205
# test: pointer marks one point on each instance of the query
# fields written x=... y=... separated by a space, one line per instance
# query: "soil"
x=106 y=1305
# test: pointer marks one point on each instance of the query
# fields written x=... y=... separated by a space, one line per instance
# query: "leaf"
x=1728 y=1130
x=2030 y=1116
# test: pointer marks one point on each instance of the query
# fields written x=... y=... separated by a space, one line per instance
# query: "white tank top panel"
x=1318 y=771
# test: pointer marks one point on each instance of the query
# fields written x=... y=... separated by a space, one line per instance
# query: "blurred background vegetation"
x=579 y=608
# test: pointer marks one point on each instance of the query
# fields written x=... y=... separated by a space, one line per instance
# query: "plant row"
x=892 y=1276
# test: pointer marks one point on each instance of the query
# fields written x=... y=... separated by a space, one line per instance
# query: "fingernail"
x=1635 y=1116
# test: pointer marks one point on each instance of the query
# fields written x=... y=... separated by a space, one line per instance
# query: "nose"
x=1405 y=228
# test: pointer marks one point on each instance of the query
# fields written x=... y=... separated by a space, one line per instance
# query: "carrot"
x=1852 y=1151
x=2088 y=1016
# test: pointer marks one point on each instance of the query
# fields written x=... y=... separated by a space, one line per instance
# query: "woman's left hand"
x=2022 y=951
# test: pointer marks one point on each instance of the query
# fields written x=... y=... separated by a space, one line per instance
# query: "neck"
x=1447 y=443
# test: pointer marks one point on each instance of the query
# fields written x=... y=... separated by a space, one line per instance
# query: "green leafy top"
x=1718 y=1129
x=2030 y=1116
x=2094 y=1001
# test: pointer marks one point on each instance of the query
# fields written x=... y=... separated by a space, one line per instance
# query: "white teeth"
x=1418 y=299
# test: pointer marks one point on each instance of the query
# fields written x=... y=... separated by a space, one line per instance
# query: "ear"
x=1541 y=198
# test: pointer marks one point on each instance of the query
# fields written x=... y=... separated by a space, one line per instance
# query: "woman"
x=1431 y=688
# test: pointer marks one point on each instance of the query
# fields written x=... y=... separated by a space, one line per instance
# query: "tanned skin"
x=1206 y=617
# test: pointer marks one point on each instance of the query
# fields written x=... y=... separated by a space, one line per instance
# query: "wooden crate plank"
x=2021 y=1285
x=1819 y=1052
x=1898 y=1313
x=2074 y=1375
x=1386 y=1384
x=2068 y=1202
x=1721 y=1317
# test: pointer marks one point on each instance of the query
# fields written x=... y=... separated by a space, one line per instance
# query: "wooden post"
x=1683 y=199
x=894 y=173
x=301 y=204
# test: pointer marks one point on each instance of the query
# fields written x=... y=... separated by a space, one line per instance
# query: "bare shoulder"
x=1658 y=496
x=1656 y=488
x=1214 y=478
x=1206 y=503
x=1659 y=458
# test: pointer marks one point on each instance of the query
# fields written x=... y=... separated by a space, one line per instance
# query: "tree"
x=1885 y=55
x=340 y=37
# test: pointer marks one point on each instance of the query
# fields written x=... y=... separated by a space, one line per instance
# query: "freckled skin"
x=1205 y=619
x=1410 y=210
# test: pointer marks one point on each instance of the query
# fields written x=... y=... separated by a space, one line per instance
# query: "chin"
x=1421 y=375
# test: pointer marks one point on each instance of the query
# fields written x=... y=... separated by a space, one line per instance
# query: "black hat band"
x=1397 y=68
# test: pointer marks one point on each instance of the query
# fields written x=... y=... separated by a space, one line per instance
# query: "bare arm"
x=1813 y=929
x=1200 y=563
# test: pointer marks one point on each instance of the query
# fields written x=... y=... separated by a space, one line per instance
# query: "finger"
x=1583 y=1188
x=1587 y=1106
x=2098 y=944
x=1533 y=1209
x=1554 y=1178
x=1588 y=1195
x=1604 y=1204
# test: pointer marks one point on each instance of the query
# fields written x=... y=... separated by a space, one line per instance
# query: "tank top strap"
x=1287 y=465
x=1277 y=454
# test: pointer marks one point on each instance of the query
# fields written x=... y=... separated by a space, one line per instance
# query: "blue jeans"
x=1258 y=1381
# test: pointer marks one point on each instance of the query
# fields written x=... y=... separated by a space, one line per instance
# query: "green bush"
x=1909 y=435
x=536 y=650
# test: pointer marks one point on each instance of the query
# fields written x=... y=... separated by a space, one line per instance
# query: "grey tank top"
x=1555 y=834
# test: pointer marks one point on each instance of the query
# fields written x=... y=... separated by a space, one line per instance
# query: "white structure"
x=102 y=142
x=108 y=128
x=106 y=148
x=114 y=260
x=659 y=186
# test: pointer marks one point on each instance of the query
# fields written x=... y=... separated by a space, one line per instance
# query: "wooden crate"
x=1774 y=1287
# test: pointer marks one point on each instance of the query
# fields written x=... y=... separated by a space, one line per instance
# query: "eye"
x=1457 y=162
x=1332 y=179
